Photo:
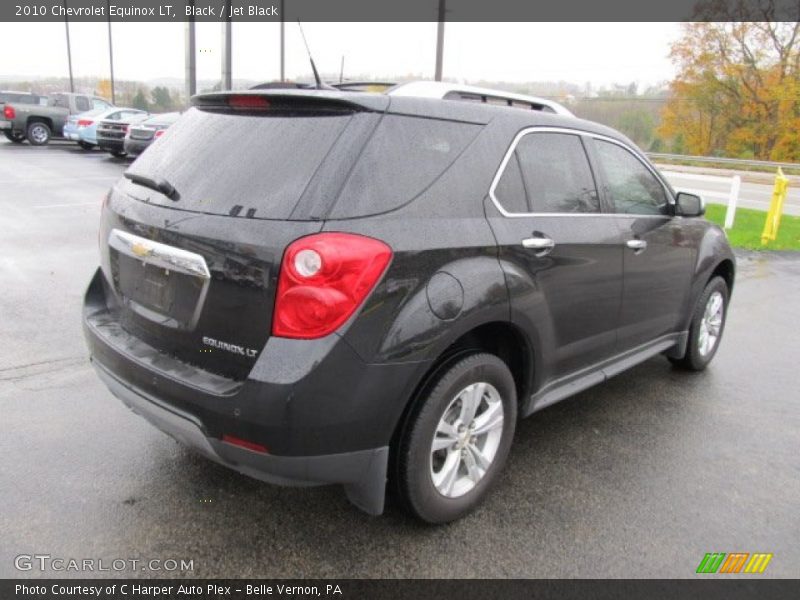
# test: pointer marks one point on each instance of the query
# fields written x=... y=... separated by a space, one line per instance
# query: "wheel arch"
x=38 y=119
x=504 y=339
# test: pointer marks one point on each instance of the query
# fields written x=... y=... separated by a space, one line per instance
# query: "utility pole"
x=111 y=54
x=190 y=59
x=227 y=75
x=440 y=41
x=283 y=42
x=69 y=49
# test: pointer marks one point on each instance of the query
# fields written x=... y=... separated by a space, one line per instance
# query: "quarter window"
x=630 y=185
x=551 y=173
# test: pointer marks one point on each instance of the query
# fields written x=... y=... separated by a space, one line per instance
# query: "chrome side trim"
x=581 y=133
x=158 y=254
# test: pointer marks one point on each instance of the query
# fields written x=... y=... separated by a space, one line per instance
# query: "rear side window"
x=555 y=173
x=234 y=164
x=404 y=156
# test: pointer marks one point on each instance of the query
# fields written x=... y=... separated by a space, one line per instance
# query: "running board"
x=586 y=378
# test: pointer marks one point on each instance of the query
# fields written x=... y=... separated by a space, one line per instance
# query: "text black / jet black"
x=346 y=287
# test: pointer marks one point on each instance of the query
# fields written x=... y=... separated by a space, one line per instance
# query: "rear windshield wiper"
x=158 y=184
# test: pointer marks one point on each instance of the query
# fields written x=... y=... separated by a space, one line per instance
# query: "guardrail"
x=726 y=161
x=731 y=197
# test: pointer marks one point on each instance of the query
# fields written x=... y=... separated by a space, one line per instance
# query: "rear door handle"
x=542 y=245
x=637 y=245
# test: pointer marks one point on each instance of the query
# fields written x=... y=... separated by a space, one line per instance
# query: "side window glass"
x=510 y=192
x=631 y=186
x=556 y=174
x=82 y=103
x=97 y=103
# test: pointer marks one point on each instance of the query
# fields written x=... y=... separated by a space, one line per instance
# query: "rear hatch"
x=192 y=238
x=112 y=130
x=142 y=132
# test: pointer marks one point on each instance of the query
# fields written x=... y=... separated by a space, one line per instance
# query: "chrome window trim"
x=581 y=133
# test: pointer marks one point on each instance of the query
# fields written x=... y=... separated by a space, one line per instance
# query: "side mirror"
x=689 y=205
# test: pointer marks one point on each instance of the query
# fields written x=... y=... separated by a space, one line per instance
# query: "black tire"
x=695 y=359
x=415 y=458
x=14 y=136
x=86 y=145
x=119 y=154
x=38 y=133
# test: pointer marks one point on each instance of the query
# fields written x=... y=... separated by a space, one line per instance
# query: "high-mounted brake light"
x=84 y=122
x=9 y=112
x=248 y=101
x=324 y=278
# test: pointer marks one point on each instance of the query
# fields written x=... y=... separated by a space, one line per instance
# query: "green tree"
x=161 y=98
x=140 y=101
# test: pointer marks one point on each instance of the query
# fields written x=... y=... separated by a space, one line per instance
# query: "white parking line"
x=51 y=178
x=70 y=204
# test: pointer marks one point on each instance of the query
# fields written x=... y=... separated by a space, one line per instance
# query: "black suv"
x=318 y=287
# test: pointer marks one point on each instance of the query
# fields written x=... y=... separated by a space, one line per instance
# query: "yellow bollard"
x=773 y=221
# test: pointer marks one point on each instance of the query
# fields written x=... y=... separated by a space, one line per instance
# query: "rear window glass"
x=404 y=156
x=218 y=162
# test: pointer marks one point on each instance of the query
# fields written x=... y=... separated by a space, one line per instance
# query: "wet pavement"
x=638 y=477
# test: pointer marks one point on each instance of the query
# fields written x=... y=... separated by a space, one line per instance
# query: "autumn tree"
x=737 y=92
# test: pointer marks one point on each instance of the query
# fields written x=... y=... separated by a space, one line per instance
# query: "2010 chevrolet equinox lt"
x=314 y=286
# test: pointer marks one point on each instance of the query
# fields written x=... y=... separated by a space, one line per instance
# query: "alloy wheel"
x=711 y=324
x=466 y=439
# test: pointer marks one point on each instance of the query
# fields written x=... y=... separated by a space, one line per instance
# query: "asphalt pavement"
x=638 y=477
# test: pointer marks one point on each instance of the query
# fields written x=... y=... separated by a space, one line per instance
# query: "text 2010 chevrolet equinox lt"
x=314 y=286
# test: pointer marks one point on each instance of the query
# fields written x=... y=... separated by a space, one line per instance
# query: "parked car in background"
x=111 y=133
x=39 y=124
x=82 y=128
x=18 y=98
x=314 y=286
x=141 y=135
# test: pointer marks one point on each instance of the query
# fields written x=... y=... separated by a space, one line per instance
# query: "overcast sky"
x=599 y=53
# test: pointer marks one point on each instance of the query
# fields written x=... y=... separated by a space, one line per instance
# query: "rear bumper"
x=363 y=473
x=134 y=147
x=111 y=145
x=323 y=414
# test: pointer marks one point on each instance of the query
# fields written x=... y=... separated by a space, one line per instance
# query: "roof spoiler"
x=288 y=100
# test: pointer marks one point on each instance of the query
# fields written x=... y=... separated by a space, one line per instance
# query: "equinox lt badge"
x=232 y=348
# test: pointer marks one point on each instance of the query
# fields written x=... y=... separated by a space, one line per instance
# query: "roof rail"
x=469 y=93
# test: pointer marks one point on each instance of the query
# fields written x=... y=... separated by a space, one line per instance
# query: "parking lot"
x=639 y=477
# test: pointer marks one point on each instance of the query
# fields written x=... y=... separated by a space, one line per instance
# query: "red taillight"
x=324 y=278
x=252 y=446
x=159 y=133
x=84 y=122
x=9 y=112
x=248 y=102
x=125 y=129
